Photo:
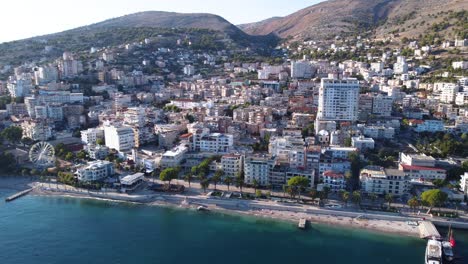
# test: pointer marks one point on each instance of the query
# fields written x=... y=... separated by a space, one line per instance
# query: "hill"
x=214 y=30
x=344 y=17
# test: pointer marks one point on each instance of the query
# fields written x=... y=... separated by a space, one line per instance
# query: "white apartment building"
x=189 y=70
x=301 y=69
x=379 y=132
x=19 y=88
x=422 y=173
x=464 y=183
x=430 y=126
x=460 y=65
x=46 y=74
x=448 y=93
x=400 y=67
x=91 y=135
x=121 y=139
x=95 y=171
x=362 y=143
x=232 y=164
x=174 y=157
x=97 y=152
x=417 y=160
x=461 y=98
x=216 y=143
x=380 y=181
x=135 y=116
x=335 y=180
x=382 y=105
x=338 y=100
x=258 y=168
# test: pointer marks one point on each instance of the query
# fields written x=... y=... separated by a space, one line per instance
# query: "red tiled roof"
x=333 y=174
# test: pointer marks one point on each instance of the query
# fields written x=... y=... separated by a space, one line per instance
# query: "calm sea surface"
x=66 y=230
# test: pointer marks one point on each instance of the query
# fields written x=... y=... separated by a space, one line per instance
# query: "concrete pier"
x=302 y=223
x=427 y=230
x=17 y=195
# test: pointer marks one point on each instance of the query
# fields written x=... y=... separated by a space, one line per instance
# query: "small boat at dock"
x=202 y=208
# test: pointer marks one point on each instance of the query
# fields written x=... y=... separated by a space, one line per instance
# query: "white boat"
x=433 y=252
x=447 y=251
x=202 y=208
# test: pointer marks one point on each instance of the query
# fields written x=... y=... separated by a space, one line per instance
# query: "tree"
x=345 y=197
x=194 y=170
x=438 y=183
x=413 y=203
x=373 y=197
x=167 y=175
x=357 y=198
x=100 y=141
x=228 y=182
x=188 y=178
x=434 y=198
x=348 y=142
x=69 y=156
x=240 y=181
x=298 y=184
x=205 y=183
x=255 y=184
x=12 y=134
x=81 y=154
x=217 y=177
x=258 y=193
x=325 y=192
x=389 y=199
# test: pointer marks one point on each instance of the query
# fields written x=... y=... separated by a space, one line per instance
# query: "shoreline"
x=398 y=228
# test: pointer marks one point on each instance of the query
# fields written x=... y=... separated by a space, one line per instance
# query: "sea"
x=48 y=230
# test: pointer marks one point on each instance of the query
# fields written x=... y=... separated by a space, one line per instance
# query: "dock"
x=302 y=223
x=428 y=230
x=18 y=195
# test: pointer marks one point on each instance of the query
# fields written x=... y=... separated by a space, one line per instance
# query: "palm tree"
x=389 y=199
x=217 y=177
x=228 y=182
x=240 y=181
x=357 y=198
x=255 y=184
x=205 y=183
x=345 y=197
x=413 y=203
x=188 y=178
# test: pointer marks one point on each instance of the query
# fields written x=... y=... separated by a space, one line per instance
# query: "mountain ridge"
x=341 y=17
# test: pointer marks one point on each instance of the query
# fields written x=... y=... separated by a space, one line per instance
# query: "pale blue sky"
x=27 y=18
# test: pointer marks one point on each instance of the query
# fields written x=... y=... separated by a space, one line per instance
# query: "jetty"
x=302 y=223
x=18 y=195
x=428 y=230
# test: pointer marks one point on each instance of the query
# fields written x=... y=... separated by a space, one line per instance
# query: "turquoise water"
x=66 y=230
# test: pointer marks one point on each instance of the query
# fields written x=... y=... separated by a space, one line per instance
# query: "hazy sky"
x=27 y=18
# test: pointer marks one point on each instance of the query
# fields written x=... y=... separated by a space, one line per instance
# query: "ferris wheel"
x=42 y=154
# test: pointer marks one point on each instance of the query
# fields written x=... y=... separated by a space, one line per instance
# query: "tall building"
x=401 y=66
x=19 y=88
x=121 y=139
x=258 y=168
x=301 y=69
x=338 y=100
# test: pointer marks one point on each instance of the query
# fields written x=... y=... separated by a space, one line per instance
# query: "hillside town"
x=390 y=124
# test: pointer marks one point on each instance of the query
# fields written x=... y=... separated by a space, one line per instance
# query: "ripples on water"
x=67 y=230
